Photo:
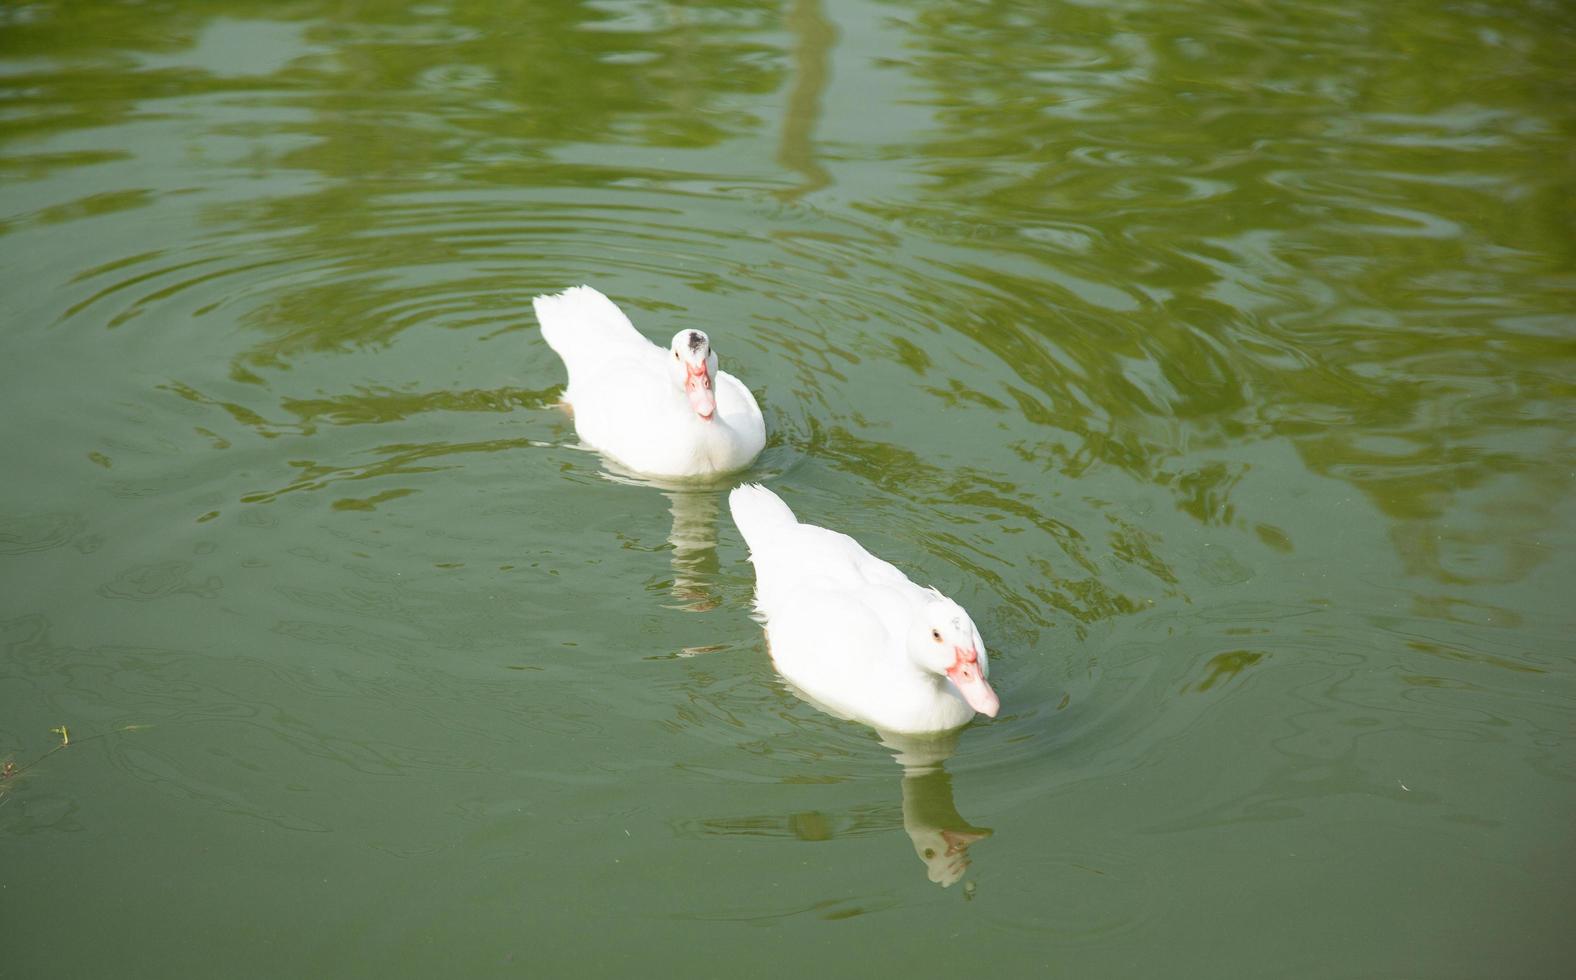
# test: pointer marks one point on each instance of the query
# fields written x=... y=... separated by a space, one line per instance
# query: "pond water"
x=1220 y=358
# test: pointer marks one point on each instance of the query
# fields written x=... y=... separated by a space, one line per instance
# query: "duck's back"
x=791 y=557
x=843 y=650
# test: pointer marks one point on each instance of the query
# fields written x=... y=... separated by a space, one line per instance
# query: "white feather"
x=840 y=621
x=626 y=402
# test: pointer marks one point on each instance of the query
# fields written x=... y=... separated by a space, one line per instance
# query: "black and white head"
x=695 y=369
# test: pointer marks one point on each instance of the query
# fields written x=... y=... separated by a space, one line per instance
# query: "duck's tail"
x=757 y=511
x=584 y=327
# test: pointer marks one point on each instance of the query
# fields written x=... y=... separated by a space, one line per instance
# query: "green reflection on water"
x=1217 y=356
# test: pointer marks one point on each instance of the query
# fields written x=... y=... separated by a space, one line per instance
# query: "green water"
x=1219 y=358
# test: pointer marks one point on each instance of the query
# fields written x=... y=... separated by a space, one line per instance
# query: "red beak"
x=970 y=681
x=697 y=385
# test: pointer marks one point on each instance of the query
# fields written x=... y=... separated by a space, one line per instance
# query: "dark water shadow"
x=814 y=37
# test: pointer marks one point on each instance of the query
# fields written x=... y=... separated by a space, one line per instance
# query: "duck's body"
x=852 y=633
x=658 y=412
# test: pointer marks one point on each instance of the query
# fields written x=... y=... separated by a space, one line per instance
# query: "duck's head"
x=694 y=368
x=944 y=641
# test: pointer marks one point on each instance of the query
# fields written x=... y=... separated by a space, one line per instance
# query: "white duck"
x=658 y=412
x=852 y=633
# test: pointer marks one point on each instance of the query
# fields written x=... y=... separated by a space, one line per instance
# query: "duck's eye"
x=935 y=635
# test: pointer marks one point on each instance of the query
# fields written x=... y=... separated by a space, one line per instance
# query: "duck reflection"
x=941 y=836
x=694 y=540
x=695 y=506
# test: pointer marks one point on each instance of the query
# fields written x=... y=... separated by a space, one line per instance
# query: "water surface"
x=1217 y=357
